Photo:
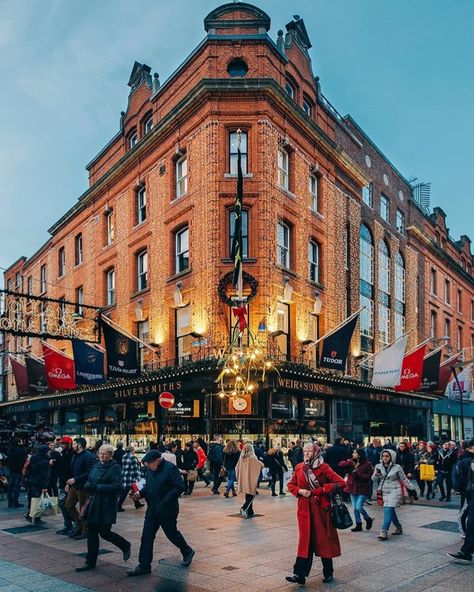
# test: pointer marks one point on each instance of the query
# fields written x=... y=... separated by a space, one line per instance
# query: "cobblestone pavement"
x=234 y=554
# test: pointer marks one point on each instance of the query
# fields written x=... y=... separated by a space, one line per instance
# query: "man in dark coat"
x=119 y=452
x=163 y=487
x=216 y=458
x=82 y=463
x=446 y=458
x=65 y=473
x=337 y=453
x=37 y=474
x=15 y=462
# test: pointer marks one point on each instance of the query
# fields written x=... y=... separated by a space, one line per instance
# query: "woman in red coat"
x=312 y=483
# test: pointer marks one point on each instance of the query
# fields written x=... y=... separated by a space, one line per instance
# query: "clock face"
x=239 y=404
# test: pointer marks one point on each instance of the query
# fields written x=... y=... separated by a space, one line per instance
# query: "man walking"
x=445 y=461
x=81 y=465
x=162 y=489
x=216 y=459
x=15 y=461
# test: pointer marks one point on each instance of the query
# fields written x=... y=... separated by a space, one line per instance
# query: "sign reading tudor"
x=166 y=400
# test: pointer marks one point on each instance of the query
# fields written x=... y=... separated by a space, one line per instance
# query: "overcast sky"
x=404 y=70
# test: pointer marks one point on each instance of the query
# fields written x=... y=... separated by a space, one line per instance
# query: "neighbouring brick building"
x=149 y=242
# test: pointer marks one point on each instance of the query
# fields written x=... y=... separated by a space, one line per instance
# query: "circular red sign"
x=166 y=400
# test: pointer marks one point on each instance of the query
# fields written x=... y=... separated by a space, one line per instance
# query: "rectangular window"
x=447 y=292
x=384 y=207
x=447 y=328
x=399 y=326
x=459 y=338
x=78 y=253
x=313 y=258
x=43 y=279
x=384 y=324
x=314 y=192
x=283 y=168
x=283 y=327
x=460 y=301
x=79 y=300
x=367 y=194
x=30 y=285
x=142 y=271
x=233 y=147
x=245 y=233
x=141 y=205
x=283 y=245
x=183 y=330
x=109 y=227
x=290 y=89
x=42 y=311
x=366 y=316
x=433 y=281
x=181 y=176
x=110 y=283
x=400 y=222
x=307 y=107
x=182 y=250
x=142 y=334
x=148 y=125
x=132 y=140
x=61 y=262
x=433 y=324
x=62 y=311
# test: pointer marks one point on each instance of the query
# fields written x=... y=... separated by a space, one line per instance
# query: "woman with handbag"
x=188 y=467
x=37 y=476
x=231 y=458
x=103 y=487
x=359 y=474
x=426 y=468
x=248 y=472
x=388 y=477
x=312 y=483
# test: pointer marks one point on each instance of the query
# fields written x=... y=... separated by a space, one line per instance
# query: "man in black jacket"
x=163 y=487
x=82 y=463
x=216 y=458
x=15 y=462
x=65 y=473
x=445 y=461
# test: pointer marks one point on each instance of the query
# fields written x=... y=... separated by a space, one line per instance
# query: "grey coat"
x=390 y=481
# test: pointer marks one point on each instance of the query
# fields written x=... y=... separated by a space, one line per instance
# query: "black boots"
x=358 y=527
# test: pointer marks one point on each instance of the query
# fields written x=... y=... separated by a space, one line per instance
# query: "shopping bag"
x=35 y=511
x=287 y=475
x=192 y=475
x=427 y=472
x=48 y=505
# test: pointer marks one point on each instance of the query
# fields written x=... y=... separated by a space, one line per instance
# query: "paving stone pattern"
x=234 y=554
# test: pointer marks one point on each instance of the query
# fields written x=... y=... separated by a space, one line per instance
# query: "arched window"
x=399 y=295
x=384 y=292
x=366 y=249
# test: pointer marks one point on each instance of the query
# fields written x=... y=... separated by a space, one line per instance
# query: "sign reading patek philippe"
x=182 y=409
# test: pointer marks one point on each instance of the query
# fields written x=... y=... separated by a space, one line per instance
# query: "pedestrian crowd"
x=89 y=486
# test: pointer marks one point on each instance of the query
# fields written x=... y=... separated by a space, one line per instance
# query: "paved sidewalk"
x=233 y=554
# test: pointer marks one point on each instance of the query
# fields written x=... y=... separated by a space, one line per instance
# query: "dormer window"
x=132 y=140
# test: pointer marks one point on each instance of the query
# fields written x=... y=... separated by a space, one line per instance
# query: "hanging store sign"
x=182 y=409
x=47 y=318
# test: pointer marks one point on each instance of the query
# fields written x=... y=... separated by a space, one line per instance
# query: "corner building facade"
x=149 y=242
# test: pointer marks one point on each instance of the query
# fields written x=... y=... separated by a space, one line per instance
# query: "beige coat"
x=248 y=471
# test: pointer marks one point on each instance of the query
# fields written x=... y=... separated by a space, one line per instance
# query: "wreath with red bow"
x=227 y=279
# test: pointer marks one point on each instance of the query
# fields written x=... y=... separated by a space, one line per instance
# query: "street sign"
x=166 y=400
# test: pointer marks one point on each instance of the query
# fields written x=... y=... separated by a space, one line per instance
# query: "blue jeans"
x=13 y=492
x=358 y=502
x=231 y=477
x=389 y=516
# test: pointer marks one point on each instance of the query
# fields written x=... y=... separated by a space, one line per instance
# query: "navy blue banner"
x=336 y=346
x=88 y=362
x=122 y=354
x=36 y=372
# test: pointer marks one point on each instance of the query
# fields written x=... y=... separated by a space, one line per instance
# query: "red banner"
x=21 y=377
x=445 y=374
x=412 y=370
x=59 y=370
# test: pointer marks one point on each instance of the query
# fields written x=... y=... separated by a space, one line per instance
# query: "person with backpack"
x=465 y=485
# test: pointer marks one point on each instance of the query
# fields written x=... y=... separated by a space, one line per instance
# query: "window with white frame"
x=183 y=333
x=147 y=124
x=283 y=168
x=384 y=207
x=141 y=205
x=30 y=285
x=142 y=334
x=283 y=244
x=384 y=267
x=182 y=249
x=366 y=250
x=42 y=311
x=79 y=300
x=367 y=316
x=307 y=107
x=313 y=260
x=400 y=222
x=367 y=194
x=142 y=270
x=290 y=89
x=283 y=325
x=110 y=286
x=132 y=140
x=181 y=168
x=233 y=152
x=109 y=227
x=78 y=249
x=245 y=232
x=433 y=317
x=314 y=181
x=43 y=279
x=61 y=262
x=399 y=325
x=384 y=324
x=399 y=319
x=366 y=255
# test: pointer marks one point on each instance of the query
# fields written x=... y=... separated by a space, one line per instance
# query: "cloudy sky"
x=404 y=70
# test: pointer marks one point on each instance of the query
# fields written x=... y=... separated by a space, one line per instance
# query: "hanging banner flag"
x=430 y=373
x=336 y=346
x=37 y=383
x=21 y=377
x=122 y=354
x=388 y=364
x=464 y=378
x=412 y=368
x=237 y=240
x=445 y=373
x=59 y=369
x=89 y=363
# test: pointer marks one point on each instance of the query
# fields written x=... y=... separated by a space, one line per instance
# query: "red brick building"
x=149 y=242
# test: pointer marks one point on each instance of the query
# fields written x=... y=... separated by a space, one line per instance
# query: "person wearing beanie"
x=388 y=476
x=313 y=482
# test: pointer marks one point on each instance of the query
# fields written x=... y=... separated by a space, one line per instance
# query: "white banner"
x=388 y=364
x=465 y=382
